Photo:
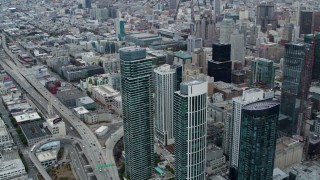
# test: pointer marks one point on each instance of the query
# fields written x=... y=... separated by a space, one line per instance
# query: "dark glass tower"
x=295 y=84
x=316 y=58
x=265 y=16
x=258 y=140
x=137 y=106
x=305 y=22
x=262 y=73
x=220 y=65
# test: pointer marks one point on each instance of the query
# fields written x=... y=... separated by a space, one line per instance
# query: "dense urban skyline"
x=160 y=90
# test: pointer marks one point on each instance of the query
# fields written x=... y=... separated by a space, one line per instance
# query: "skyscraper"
x=316 y=54
x=258 y=140
x=297 y=73
x=265 y=16
x=262 y=73
x=220 y=65
x=119 y=27
x=205 y=28
x=305 y=22
x=248 y=97
x=238 y=49
x=165 y=86
x=226 y=29
x=217 y=7
x=137 y=107
x=190 y=130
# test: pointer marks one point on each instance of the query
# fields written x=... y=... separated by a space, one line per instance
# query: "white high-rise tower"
x=165 y=85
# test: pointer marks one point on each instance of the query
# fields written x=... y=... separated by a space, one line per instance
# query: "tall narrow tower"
x=136 y=89
x=165 y=86
x=297 y=71
x=190 y=129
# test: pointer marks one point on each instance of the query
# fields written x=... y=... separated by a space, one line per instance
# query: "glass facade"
x=262 y=73
x=258 y=140
x=221 y=71
x=220 y=66
x=221 y=52
x=316 y=58
x=295 y=83
x=265 y=16
x=190 y=130
x=137 y=104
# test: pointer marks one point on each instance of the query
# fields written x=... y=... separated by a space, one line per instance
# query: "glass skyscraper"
x=137 y=106
x=258 y=140
x=220 y=66
x=316 y=56
x=262 y=73
x=190 y=130
x=297 y=73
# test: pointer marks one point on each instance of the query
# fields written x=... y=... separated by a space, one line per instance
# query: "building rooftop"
x=182 y=55
x=143 y=35
x=106 y=90
x=19 y=107
x=261 y=105
x=279 y=175
x=81 y=110
x=3 y=128
x=166 y=68
x=34 y=129
x=49 y=145
x=26 y=116
x=85 y=100
x=47 y=155
x=12 y=165
x=69 y=94
x=305 y=170
x=286 y=143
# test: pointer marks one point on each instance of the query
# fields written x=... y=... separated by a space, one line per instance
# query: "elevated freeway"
x=34 y=88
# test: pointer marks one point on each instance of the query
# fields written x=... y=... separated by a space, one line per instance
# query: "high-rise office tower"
x=165 y=86
x=258 y=140
x=316 y=54
x=296 y=82
x=217 y=7
x=305 y=22
x=226 y=29
x=220 y=66
x=193 y=43
x=190 y=130
x=248 y=97
x=205 y=28
x=265 y=16
x=137 y=107
x=238 y=49
x=262 y=73
x=119 y=27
